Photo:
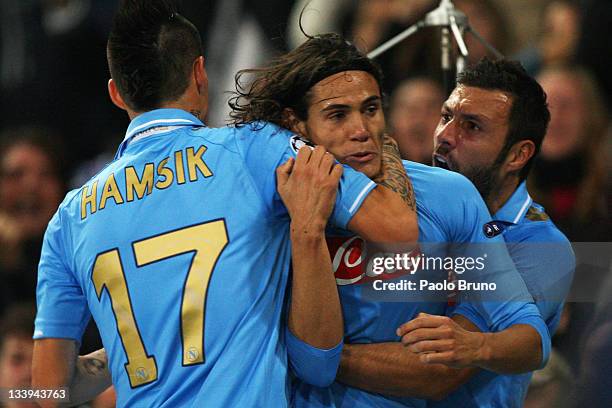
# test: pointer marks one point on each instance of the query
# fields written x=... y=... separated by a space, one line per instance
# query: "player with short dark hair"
x=155 y=70
x=180 y=248
x=528 y=116
x=491 y=128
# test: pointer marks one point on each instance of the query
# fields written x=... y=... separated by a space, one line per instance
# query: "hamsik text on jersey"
x=180 y=250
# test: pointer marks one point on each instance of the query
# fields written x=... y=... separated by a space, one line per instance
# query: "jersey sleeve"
x=62 y=310
x=546 y=261
x=315 y=366
x=265 y=146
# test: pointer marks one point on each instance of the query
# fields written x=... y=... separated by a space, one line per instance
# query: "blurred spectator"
x=369 y=23
x=486 y=18
x=569 y=176
x=53 y=71
x=31 y=188
x=16 y=345
x=549 y=386
x=594 y=46
x=558 y=39
x=241 y=34
x=594 y=385
x=413 y=116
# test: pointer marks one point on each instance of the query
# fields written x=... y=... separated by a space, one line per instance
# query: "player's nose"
x=447 y=134
x=359 y=131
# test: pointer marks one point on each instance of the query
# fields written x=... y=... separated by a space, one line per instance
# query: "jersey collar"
x=157 y=118
x=516 y=207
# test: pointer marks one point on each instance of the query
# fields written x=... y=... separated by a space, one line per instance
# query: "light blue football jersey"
x=450 y=211
x=545 y=259
x=180 y=250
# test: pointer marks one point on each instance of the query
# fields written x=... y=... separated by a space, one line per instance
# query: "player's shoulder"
x=442 y=183
x=261 y=130
x=260 y=140
x=224 y=137
x=538 y=227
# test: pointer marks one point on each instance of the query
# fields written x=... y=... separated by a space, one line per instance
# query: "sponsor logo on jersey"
x=349 y=262
x=493 y=228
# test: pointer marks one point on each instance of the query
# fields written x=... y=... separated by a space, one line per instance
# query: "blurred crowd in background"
x=58 y=128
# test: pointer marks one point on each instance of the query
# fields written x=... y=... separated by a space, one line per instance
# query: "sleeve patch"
x=297 y=142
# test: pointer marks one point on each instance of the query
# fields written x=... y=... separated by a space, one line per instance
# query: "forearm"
x=391 y=369
x=53 y=365
x=91 y=377
x=394 y=175
x=516 y=349
x=315 y=315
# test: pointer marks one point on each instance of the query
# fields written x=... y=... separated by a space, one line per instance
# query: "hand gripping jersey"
x=450 y=211
x=545 y=259
x=180 y=250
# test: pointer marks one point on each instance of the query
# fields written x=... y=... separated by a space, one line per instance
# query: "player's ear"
x=291 y=122
x=115 y=95
x=199 y=73
x=519 y=155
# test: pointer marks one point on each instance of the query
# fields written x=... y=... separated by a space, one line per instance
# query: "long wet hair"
x=263 y=94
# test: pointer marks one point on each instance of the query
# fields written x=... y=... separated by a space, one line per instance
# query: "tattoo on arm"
x=394 y=174
x=94 y=364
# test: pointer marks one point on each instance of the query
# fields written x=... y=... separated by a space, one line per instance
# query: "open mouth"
x=440 y=161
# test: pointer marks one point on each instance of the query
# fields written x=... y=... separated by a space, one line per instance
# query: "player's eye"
x=372 y=108
x=445 y=117
x=337 y=115
x=472 y=125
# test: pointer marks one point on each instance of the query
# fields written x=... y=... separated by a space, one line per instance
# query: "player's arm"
x=91 y=377
x=393 y=175
x=84 y=377
x=53 y=364
x=441 y=340
x=308 y=189
x=315 y=327
x=388 y=214
x=386 y=368
x=448 y=354
x=391 y=369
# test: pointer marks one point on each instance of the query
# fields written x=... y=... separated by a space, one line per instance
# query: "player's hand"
x=440 y=340
x=307 y=186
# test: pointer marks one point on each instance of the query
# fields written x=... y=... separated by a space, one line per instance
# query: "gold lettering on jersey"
x=180 y=169
x=110 y=190
x=142 y=184
x=146 y=179
x=195 y=162
x=166 y=173
x=89 y=199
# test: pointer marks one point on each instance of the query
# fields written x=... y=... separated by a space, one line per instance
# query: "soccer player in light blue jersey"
x=343 y=113
x=180 y=248
x=490 y=130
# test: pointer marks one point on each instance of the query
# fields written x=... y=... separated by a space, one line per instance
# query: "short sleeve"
x=265 y=146
x=62 y=310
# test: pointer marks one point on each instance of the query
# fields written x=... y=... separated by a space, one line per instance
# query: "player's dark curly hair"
x=150 y=51
x=287 y=80
x=529 y=114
